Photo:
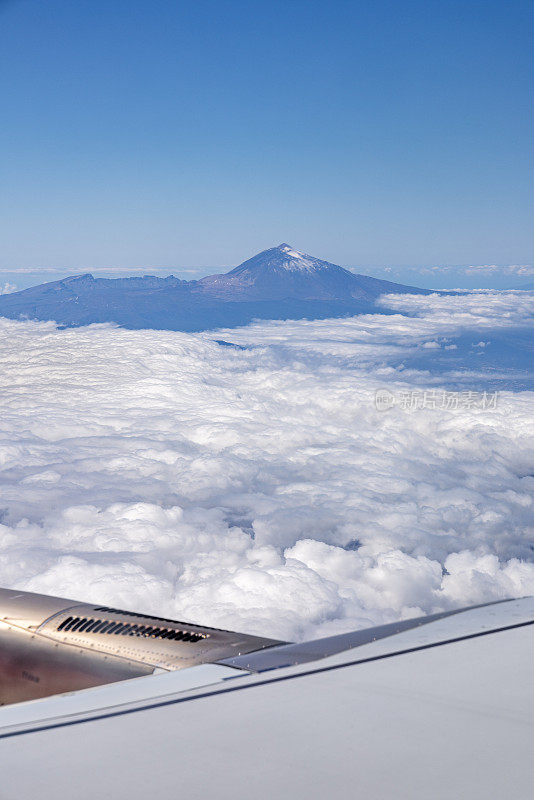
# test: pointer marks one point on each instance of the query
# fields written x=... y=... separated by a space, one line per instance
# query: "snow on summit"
x=299 y=261
x=285 y=257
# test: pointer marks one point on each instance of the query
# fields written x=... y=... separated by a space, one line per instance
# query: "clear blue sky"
x=170 y=133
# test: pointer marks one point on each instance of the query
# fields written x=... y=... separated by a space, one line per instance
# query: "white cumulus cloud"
x=258 y=487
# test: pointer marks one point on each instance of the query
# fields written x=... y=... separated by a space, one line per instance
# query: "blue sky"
x=173 y=135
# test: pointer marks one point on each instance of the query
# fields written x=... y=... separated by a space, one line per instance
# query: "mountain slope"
x=279 y=283
x=282 y=272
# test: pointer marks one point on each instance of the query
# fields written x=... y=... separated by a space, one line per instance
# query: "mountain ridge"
x=277 y=283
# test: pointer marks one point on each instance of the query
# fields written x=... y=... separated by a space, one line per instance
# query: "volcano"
x=283 y=272
x=278 y=283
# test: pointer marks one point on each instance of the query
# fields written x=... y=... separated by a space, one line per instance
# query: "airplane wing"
x=436 y=707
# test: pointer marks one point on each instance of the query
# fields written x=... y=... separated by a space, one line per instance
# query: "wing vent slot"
x=117 y=628
x=108 y=610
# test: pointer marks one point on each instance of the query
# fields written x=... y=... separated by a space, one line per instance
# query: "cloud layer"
x=258 y=487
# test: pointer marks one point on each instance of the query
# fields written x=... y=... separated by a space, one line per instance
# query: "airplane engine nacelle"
x=50 y=645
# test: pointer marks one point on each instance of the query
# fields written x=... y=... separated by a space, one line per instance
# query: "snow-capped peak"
x=286 y=248
x=295 y=261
